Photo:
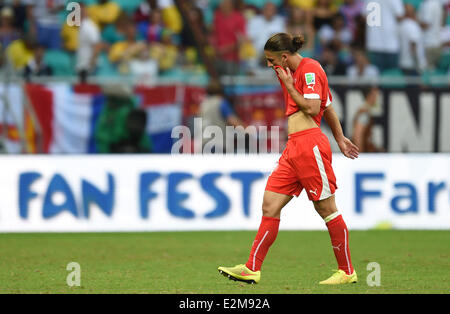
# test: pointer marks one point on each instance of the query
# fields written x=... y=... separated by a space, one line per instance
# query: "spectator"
x=136 y=140
x=195 y=16
x=306 y=5
x=360 y=34
x=44 y=20
x=69 y=37
x=155 y=27
x=412 y=49
x=445 y=40
x=104 y=12
x=20 y=51
x=19 y=12
x=165 y=52
x=262 y=26
x=121 y=126
x=340 y=35
x=89 y=45
x=228 y=32
x=298 y=23
x=351 y=10
x=331 y=63
x=431 y=18
x=323 y=13
x=362 y=69
x=170 y=15
x=363 y=122
x=113 y=33
x=194 y=40
x=36 y=66
x=8 y=33
x=207 y=11
x=142 y=13
x=382 y=41
x=144 y=68
x=215 y=110
x=121 y=53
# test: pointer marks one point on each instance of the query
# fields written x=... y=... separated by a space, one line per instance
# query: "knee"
x=269 y=210
x=325 y=212
x=326 y=207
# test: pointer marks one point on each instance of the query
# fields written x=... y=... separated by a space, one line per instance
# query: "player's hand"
x=349 y=149
x=285 y=76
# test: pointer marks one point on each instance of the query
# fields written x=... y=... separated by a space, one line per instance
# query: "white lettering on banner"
x=444 y=125
x=354 y=100
x=405 y=133
x=406 y=198
x=417 y=123
x=212 y=192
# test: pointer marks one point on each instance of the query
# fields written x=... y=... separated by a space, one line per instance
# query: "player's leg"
x=319 y=181
x=273 y=203
x=339 y=240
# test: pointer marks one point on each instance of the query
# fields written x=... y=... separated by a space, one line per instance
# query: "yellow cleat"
x=240 y=273
x=340 y=277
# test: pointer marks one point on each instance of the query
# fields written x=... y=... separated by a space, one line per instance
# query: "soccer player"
x=305 y=162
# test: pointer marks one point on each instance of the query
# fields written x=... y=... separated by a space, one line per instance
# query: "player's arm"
x=346 y=146
x=308 y=106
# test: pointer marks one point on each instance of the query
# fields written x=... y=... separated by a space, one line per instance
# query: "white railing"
x=434 y=80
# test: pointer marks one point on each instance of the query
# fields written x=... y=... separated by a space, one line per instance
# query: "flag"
x=67 y=116
x=11 y=117
x=163 y=105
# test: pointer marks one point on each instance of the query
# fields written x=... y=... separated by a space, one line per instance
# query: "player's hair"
x=284 y=42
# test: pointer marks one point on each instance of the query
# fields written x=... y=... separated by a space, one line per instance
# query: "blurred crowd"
x=154 y=38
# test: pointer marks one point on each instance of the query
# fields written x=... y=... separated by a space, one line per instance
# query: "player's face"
x=276 y=59
x=273 y=59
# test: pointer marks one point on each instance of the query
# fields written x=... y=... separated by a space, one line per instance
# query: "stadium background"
x=87 y=141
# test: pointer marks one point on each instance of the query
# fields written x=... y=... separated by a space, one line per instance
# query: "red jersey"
x=310 y=81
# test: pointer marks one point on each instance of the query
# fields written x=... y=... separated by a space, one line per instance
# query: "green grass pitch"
x=186 y=262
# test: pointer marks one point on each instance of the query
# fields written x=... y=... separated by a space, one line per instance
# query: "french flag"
x=67 y=116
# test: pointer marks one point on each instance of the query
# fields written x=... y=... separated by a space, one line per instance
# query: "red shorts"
x=304 y=164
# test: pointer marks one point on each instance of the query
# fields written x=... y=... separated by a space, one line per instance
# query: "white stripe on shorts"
x=326 y=192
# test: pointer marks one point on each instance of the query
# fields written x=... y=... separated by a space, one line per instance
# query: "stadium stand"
x=171 y=24
x=190 y=43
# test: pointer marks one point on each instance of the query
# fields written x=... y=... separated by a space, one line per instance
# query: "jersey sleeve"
x=310 y=84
